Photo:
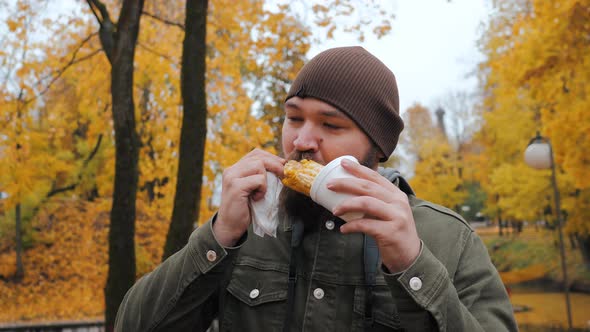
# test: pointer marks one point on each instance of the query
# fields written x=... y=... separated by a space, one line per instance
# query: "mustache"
x=300 y=155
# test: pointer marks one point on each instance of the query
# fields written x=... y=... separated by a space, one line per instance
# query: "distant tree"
x=119 y=40
x=194 y=127
x=535 y=78
x=436 y=170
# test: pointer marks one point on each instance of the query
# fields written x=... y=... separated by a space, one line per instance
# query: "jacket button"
x=211 y=256
x=318 y=293
x=330 y=225
x=415 y=283
x=254 y=293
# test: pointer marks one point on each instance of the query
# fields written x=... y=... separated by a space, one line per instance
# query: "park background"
x=88 y=83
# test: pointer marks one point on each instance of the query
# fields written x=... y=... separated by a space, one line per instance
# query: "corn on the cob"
x=299 y=176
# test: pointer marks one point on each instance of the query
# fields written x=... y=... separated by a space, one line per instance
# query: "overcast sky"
x=432 y=48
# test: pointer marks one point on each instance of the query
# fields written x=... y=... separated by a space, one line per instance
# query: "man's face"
x=319 y=131
x=315 y=130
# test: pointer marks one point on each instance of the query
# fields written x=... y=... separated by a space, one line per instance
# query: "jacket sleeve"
x=181 y=294
x=474 y=299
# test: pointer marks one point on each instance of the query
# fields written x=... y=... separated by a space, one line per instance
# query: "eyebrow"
x=330 y=113
x=333 y=113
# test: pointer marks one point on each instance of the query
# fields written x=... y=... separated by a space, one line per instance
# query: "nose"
x=307 y=139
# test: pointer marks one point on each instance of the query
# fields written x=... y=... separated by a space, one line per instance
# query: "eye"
x=295 y=119
x=331 y=125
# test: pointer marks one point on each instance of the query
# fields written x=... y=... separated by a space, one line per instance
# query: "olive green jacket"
x=452 y=286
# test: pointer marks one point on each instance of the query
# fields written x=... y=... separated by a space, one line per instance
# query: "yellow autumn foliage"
x=66 y=270
x=526 y=274
x=437 y=177
x=437 y=166
x=536 y=78
x=57 y=146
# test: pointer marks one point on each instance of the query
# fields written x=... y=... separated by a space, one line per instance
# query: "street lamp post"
x=539 y=155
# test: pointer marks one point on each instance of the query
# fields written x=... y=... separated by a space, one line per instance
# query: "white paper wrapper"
x=265 y=211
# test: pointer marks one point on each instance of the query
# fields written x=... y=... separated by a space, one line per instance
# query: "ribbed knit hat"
x=358 y=84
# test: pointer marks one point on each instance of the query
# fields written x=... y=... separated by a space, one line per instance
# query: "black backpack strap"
x=371 y=259
x=371 y=263
x=296 y=236
x=405 y=186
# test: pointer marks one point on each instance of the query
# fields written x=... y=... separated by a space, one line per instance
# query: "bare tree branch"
x=94 y=151
x=107 y=31
x=60 y=72
x=55 y=191
x=151 y=50
x=104 y=13
x=74 y=54
x=94 y=12
x=163 y=20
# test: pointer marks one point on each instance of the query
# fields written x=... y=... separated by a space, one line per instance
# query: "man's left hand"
x=387 y=215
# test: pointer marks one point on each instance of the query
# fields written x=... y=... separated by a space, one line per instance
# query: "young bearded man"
x=407 y=265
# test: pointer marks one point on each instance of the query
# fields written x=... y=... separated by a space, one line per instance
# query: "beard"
x=298 y=205
x=301 y=206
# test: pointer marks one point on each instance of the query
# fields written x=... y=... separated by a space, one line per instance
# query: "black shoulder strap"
x=405 y=186
x=371 y=259
x=371 y=263
x=296 y=236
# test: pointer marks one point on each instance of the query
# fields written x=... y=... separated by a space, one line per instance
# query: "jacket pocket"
x=413 y=317
x=384 y=313
x=255 y=300
x=401 y=314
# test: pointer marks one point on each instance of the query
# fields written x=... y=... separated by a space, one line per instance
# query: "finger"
x=363 y=172
x=361 y=187
x=369 y=206
x=249 y=185
x=270 y=162
x=255 y=164
x=257 y=195
x=275 y=166
x=243 y=168
x=370 y=227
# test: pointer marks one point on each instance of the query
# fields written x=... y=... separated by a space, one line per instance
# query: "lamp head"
x=538 y=153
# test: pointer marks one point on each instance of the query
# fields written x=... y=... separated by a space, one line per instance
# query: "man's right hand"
x=242 y=181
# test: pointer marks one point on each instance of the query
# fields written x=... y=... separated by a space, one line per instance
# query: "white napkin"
x=265 y=211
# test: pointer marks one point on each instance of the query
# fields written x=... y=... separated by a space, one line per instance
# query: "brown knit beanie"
x=358 y=84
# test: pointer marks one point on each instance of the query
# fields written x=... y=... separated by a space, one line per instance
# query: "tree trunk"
x=119 y=45
x=519 y=227
x=194 y=128
x=573 y=241
x=20 y=272
x=584 y=245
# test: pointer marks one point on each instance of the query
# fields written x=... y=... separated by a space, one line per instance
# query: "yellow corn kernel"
x=299 y=176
